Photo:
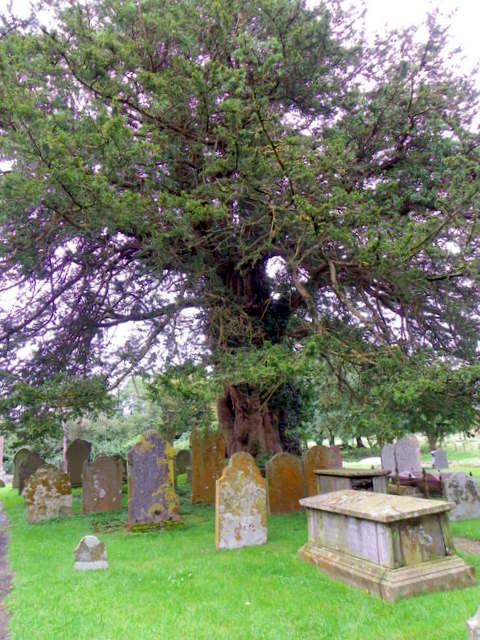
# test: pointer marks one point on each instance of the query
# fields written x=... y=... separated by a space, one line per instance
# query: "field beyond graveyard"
x=173 y=584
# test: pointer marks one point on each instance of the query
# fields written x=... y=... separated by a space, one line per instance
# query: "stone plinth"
x=359 y=479
x=285 y=483
x=392 y=546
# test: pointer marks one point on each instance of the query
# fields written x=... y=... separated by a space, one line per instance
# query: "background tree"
x=252 y=175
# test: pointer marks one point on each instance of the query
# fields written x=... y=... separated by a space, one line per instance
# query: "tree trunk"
x=247 y=423
x=432 y=441
x=360 y=444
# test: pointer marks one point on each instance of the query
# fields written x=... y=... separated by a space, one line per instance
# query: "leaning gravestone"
x=285 y=483
x=28 y=466
x=439 y=459
x=407 y=454
x=318 y=457
x=151 y=494
x=102 y=485
x=47 y=494
x=90 y=554
x=473 y=626
x=387 y=456
x=18 y=458
x=240 y=505
x=463 y=490
x=208 y=462
x=78 y=451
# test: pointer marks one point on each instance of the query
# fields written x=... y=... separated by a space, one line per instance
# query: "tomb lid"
x=352 y=473
x=379 y=507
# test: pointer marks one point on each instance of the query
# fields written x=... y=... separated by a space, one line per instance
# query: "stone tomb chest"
x=392 y=546
x=360 y=479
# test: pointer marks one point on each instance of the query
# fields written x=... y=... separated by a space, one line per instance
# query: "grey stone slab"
x=439 y=459
x=388 y=458
x=463 y=491
x=407 y=455
x=77 y=453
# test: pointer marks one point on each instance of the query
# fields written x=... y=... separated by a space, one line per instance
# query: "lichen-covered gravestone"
x=151 y=495
x=90 y=554
x=102 y=485
x=463 y=490
x=18 y=458
x=208 y=462
x=28 y=466
x=318 y=457
x=285 y=483
x=47 y=494
x=407 y=454
x=439 y=459
x=240 y=505
x=78 y=451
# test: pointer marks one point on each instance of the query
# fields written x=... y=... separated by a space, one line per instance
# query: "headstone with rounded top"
x=439 y=459
x=407 y=455
x=78 y=451
x=463 y=490
x=208 y=462
x=28 y=466
x=285 y=483
x=241 y=504
x=151 y=493
x=17 y=460
x=183 y=460
x=318 y=457
x=47 y=494
x=102 y=485
x=90 y=554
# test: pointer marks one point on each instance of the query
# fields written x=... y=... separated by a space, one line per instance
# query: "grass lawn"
x=173 y=584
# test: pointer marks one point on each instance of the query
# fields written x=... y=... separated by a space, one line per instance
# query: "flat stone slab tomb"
x=344 y=478
x=392 y=546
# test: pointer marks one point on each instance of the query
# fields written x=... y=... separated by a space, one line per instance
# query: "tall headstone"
x=407 y=454
x=28 y=466
x=47 y=494
x=387 y=456
x=102 y=485
x=285 y=483
x=18 y=458
x=208 y=462
x=151 y=494
x=473 y=626
x=318 y=457
x=463 y=490
x=240 y=505
x=78 y=451
x=439 y=459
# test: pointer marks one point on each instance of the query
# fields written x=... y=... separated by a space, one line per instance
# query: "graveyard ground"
x=175 y=585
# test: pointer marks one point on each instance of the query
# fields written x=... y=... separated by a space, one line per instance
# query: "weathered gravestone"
x=407 y=454
x=473 y=626
x=90 y=554
x=463 y=490
x=387 y=456
x=102 y=485
x=28 y=466
x=47 y=494
x=318 y=457
x=208 y=462
x=18 y=458
x=439 y=459
x=117 y=456
x=183 y=460
x=240 y=505
x=78 y=451
x=151 y=495
x=285 y=483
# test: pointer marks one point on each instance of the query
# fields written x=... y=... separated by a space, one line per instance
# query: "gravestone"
x=151 y=494
x=439 y=459
x=208 y=462
x=318 y=457
x=473 y=626
x=47 y=494
x=90 y=554
x=407 y=453
x=240 y=505
x=18 y=458
x=1 y=456
x=183 y=460
x=102 y=485
x=463 y=490
x=285 y=483
x=78 y=451
x=28 y=466
x=387 y=456
x=117 y=456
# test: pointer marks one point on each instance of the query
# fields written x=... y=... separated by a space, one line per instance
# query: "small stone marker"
x=463 y=490
x=28 y=466
x=208 y=462
x=90 y=554
x=387 y=456
x=240 y=505
x=318 y=457
x=78 y=451
x=439 y=459
x=407 y=453
x=473 y=626
x=47 y=494
x=285 y=483
x=151 y=494
x=102 y=485
x=18 y=458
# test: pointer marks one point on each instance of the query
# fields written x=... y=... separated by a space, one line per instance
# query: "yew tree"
x=240 y=182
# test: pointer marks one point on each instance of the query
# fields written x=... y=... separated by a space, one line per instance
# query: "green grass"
x=174 y=585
